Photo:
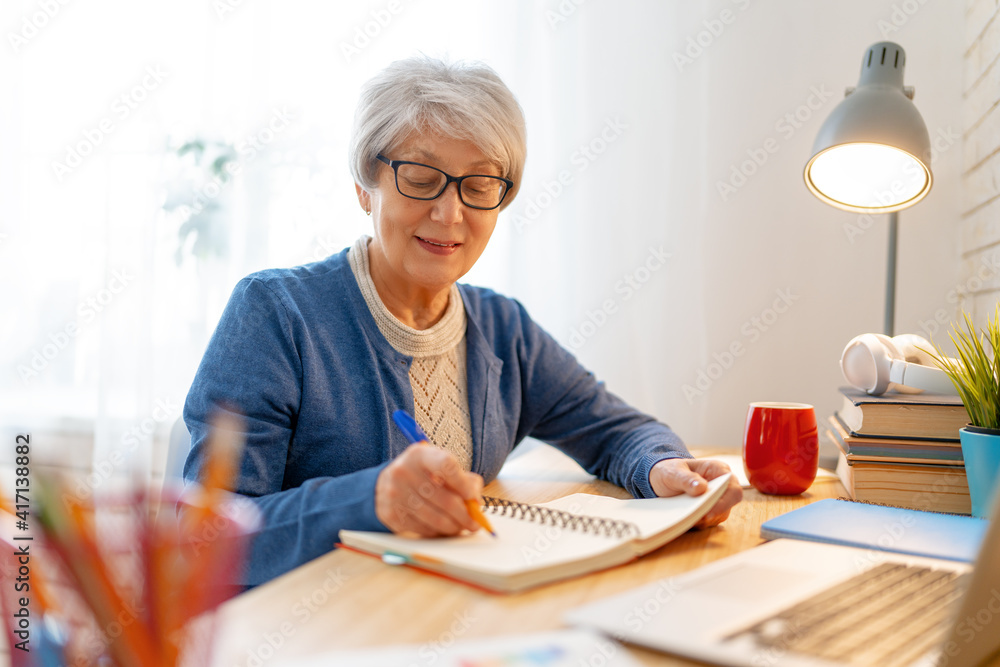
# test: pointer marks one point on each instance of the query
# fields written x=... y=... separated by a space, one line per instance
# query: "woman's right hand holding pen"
x=423 y=491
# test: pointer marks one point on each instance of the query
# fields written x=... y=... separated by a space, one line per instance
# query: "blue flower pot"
x=981 y=451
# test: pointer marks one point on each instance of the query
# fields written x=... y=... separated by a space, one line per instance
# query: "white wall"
x=598 y=73
x=980 y=285
x=733 y=258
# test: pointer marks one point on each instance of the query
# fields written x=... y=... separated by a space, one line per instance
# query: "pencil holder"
x=120 y=579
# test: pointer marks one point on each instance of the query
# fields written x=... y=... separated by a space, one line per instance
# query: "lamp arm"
x=890 y=276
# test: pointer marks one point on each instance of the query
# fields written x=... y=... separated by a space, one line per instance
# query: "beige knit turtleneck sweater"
x=438 y=373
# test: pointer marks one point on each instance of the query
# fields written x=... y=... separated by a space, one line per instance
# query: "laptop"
x=793 y=602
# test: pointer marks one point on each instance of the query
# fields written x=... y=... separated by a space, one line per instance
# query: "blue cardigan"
x=298 y=354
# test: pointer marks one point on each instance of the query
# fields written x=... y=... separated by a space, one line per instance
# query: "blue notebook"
x=904 y=531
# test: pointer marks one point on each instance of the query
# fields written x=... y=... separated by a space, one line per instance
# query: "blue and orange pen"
x=414 y=434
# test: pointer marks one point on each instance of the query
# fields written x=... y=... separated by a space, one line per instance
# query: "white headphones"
x=872 y=361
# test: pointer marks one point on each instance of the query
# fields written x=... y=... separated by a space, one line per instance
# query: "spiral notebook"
x=539 y=544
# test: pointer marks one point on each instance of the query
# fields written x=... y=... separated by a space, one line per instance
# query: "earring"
x=368 y=211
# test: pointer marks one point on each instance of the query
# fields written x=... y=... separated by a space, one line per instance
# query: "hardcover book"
x=858 y=448
x=933 y=488
x=932 y=416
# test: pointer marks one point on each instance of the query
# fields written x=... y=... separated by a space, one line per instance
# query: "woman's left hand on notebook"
x=673 y=477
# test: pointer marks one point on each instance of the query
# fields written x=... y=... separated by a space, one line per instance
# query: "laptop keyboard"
x=888 y=615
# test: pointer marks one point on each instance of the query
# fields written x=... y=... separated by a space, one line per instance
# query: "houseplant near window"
x=976 y=375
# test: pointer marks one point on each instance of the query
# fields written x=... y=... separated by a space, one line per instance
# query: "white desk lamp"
x=873 y=153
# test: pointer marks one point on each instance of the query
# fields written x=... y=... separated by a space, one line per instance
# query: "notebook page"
x=651 y=515
x=520 y=545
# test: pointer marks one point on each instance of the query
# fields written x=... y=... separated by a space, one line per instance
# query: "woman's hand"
x=423 y=491
x=672 y=477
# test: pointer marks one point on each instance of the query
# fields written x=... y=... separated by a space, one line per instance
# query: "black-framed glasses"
x=421 y=181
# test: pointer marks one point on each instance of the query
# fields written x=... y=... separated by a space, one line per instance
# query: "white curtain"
x=124 y=228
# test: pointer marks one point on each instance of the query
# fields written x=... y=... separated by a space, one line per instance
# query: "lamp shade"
x=873 y=153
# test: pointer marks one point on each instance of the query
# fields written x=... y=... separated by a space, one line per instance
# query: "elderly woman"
x=318 y=357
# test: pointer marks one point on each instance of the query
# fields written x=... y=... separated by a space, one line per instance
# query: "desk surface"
x=346 y=600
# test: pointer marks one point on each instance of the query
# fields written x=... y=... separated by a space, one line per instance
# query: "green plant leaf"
x=975 y=372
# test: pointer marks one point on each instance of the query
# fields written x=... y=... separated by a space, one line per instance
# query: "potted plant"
x=197 y=197
x=976 y=375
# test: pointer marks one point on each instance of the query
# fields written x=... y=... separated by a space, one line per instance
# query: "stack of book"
x=902 y=449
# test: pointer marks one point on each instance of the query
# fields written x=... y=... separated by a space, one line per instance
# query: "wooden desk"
x=347 y=600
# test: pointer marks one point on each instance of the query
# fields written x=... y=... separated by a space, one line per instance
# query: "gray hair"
x=464 y=100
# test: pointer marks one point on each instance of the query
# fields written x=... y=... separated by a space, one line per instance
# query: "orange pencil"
x=478 y=516
x=71 y=531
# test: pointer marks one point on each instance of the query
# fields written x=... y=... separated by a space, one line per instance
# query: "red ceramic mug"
x=781 y=447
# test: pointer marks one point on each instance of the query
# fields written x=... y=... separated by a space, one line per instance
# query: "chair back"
x=177 y=452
